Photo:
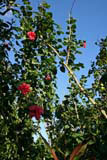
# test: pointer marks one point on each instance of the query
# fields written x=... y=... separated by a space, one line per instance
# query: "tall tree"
x=76 y=127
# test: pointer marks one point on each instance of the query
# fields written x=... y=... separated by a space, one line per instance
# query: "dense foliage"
x=76 y=127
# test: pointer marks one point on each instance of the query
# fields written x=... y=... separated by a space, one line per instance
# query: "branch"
x=68 y=54
x=76 y=110
x=77 y=82
x=78 y=118
x=51 y=149
x=68 y=49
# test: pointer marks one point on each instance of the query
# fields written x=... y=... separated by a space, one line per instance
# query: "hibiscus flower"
x=31 y=35
x=35 y=111
x=24 y=88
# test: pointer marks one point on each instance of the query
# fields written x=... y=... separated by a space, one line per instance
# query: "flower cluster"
x=35 y=111
x=31 y=35
x=24 y=88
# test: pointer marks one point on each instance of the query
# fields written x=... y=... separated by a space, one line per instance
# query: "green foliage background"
x=73 y=121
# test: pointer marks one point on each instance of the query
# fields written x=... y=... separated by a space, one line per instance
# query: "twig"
x=68 y=54
x=76 y=111
x=51 y=149
x=68 y=49
x=72 y=6
x=77 y=82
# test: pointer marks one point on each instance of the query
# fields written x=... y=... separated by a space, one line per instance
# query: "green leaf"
x=78 y=151
x=29 y=7
x=62 y=69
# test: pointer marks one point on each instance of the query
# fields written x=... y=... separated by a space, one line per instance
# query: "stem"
x=68 y=49
x=76 y=112
x=68 y=54
x=77 y=82
x=49 y=147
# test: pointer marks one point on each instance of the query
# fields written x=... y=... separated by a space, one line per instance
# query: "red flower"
x=84 y=44
x=48 y=77
x=35 y=111
x=24 y=88
x=31 y=35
